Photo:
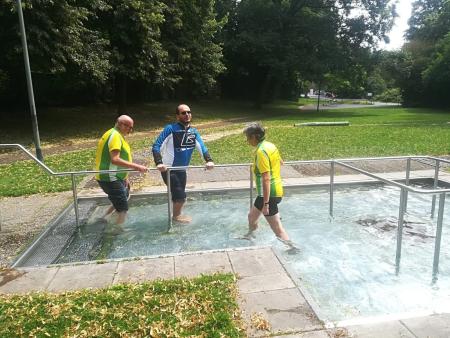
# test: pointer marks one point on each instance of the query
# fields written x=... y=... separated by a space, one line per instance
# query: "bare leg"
x=121 y=217
x=177 y=207
x=277 y=227
x=253 y=217
x=109 y=211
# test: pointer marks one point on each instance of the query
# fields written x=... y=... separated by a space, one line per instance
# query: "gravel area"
x=22 y=218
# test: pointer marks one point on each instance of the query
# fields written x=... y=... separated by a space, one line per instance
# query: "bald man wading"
x=113 y=153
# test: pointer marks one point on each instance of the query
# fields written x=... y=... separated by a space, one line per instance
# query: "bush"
x=390 y=95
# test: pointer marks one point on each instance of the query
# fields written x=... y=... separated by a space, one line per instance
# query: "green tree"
x=58 y=40
x=132 y=28
x=189 y=35
x=427 y=50
x=269 y=41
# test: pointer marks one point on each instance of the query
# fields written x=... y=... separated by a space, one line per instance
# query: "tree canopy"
x=89 y=51
x=426 y=55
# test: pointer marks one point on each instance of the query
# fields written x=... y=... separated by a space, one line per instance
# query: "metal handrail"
x=405 y=188
x=392 y=182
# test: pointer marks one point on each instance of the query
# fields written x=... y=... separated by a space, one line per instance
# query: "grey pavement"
x=266 y=290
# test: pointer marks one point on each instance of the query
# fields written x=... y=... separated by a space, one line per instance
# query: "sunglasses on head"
x=184 y=112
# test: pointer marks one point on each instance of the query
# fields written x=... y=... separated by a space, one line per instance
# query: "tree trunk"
x=263 y=90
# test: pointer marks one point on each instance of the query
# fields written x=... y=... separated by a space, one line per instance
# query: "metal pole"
x=401 y=213
x=437 y=245
x=331 y=187
x=251 y=187
x=75 y=200
x=436 y=181
x=26 y=58
x=408 y=172
x=169 y=200
x=318 y=98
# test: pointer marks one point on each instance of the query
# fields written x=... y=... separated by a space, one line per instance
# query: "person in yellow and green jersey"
x=114 y=153
x=266 y=169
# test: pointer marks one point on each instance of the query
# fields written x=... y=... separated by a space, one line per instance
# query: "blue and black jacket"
x=175 y=144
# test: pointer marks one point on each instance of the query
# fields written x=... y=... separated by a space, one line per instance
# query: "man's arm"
x=156 y=148
x=200 y=145
x=115 y=159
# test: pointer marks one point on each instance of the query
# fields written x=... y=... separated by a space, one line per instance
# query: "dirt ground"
x=76 y=144
x=22 y=218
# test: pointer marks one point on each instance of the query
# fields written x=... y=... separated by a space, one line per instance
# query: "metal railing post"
x=437 y=245
x=251 y=186
x=401 y=214
x=331 y=187
x=169 y=200
x=435 y=184
x=408 y=172
x=75 y=200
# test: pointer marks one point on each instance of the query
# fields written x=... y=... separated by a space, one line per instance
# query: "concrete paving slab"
x=240 y=184
x=213 y=185
x=269 y=282
x=203 y=263
x=298 y=181
x=83 y=276
x=310 y=334
x=286 y=311
x=22 y=281
x=255 y=262
x=144 y=270
x=436 y=326
x=393 y=329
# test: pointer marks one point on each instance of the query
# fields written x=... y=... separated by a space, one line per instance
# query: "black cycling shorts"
x=118 y=192
x=273 y=204
x=177 y=184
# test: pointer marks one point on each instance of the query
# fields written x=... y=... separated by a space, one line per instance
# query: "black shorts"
x=273 y=204
x=177 y=184
x=118 y=193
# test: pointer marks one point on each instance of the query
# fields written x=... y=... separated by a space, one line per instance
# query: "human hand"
x=140 y=168
x=161 y=167
x=209 y=165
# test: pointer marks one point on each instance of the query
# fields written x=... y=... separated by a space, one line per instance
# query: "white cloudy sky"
x=401 y=24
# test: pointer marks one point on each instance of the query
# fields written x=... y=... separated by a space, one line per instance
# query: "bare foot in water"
x=182 y=219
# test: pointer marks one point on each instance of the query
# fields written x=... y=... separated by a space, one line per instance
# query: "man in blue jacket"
x=173 y=148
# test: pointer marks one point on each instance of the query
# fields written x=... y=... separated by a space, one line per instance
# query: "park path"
x=325 y=104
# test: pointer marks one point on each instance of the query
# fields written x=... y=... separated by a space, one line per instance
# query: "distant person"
x=266 y=169
x=114 y=153
x=173 y=148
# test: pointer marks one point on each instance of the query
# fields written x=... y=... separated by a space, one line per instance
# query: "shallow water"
x=346 y=265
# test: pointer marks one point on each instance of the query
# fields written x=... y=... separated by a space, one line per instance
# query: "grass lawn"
x=374 y=131
x=204 y=306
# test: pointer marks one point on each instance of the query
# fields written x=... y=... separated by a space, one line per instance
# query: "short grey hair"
x=256 y=129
